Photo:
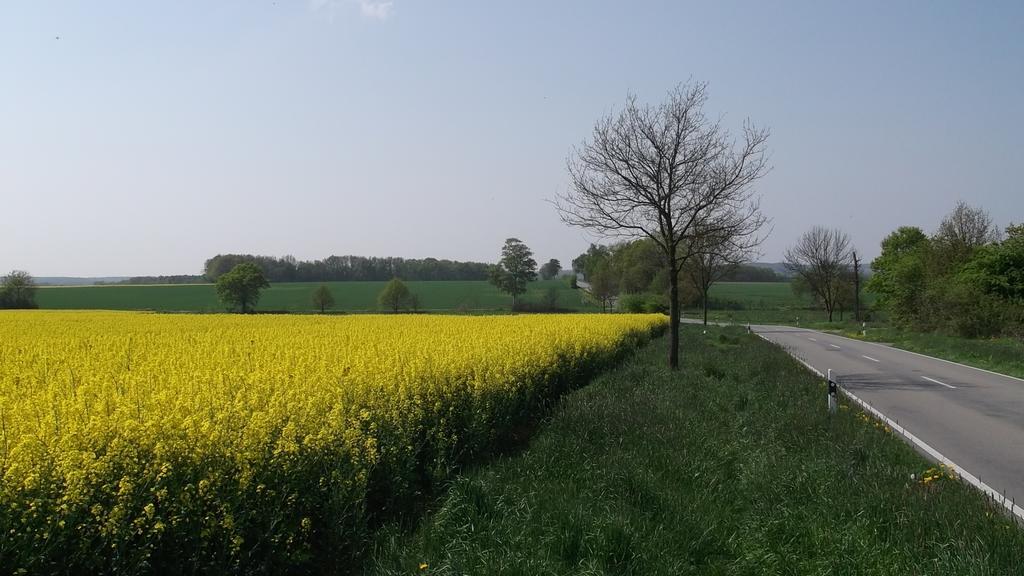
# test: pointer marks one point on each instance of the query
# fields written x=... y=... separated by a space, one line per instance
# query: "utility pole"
x=856 y=287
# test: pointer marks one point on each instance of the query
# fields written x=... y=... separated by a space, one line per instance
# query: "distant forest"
x=344 y=268
x=753 y=273
x=176 y=279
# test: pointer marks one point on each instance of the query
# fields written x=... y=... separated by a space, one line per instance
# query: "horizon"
x=145 y=139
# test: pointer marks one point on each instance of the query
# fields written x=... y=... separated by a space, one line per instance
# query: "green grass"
x=757 y=303
x=764 y=303
x=759 y=295
x=730 y=466
x=296 y=297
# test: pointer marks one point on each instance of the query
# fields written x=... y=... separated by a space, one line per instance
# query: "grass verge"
x=729 y=466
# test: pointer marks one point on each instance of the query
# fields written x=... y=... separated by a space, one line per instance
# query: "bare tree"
x=821 y=259
x=717 y=253
x=657 y=171
x=964 y=229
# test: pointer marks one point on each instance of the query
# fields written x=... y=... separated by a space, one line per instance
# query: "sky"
x=142 y=138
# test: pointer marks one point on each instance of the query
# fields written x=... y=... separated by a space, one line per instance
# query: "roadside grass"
x=729 y=466
x=448 y=296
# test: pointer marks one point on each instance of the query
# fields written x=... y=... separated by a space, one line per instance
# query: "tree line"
x=967 y=278
x=240 y=288
x=633 y=275
x=345 y=268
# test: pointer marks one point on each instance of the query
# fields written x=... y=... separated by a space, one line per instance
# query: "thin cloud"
x=375 y=9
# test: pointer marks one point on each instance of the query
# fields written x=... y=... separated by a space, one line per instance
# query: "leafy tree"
x=396 y=296
x=240 y=288
x=18 y=290
x=963 y=280
x=322 y=298
x=550 y=298
x=587 y=262
x=515 y=269
x=604 y=286
x=900 y=274
x=637 y=265
x=550 y=269
x=998 y=269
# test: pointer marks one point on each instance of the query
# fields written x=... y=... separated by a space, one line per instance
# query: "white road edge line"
x=869 y=358
x=937 y=382
x=924 y=356
x=971 y=479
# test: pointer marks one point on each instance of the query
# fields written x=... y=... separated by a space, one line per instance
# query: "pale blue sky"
x=150 y=136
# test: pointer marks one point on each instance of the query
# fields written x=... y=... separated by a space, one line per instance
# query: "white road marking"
x=834 y=346
x=890 y=347
x=870 y=358
x=813 y=339
x=937 y=382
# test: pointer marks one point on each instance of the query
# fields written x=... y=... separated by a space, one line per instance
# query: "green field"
x=765 y=303
x=742 y=302
x=465 y=296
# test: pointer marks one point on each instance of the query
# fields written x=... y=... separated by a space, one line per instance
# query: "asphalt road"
x=973 y=417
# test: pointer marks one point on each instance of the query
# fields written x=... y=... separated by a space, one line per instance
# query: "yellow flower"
x=423 y=566
x=114 y=407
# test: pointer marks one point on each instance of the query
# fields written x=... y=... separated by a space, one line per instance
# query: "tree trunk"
x=856 y=287
x=705 y=299
x=673 y=315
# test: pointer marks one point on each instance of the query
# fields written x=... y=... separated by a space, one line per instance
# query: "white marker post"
x=833 y=393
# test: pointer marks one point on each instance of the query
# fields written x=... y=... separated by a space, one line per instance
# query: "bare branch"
x=667 y=173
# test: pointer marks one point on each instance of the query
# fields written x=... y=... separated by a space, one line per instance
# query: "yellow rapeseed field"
x=257 y=443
